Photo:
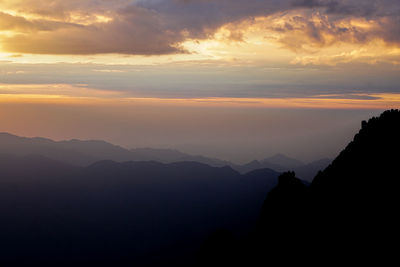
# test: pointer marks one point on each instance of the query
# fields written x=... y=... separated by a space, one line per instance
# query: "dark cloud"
x=364 y=8
x=308 y=3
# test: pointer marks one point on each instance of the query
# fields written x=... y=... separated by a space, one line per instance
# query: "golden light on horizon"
x=108 y=38
x=81 y=95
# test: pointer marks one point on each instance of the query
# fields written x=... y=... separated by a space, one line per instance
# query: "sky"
x=233 y=79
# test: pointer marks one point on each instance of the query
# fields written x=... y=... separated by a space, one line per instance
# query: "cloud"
x=132 y=31
x=20 y=24
x=313 y=29
x=155 y=27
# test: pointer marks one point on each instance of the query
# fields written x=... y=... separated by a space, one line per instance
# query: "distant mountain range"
x=148 y=213
x=84 y=153
x=90 y=194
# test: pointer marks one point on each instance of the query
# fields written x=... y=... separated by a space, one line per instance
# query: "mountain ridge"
x=86 y=152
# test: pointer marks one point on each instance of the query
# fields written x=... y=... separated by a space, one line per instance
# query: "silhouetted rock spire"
x=350 y=210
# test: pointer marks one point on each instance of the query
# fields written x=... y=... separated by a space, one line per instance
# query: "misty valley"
x=91 y=203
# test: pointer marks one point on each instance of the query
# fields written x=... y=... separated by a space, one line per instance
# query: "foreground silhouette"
x=348 y=215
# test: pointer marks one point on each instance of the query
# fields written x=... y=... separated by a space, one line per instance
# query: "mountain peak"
x=369 y=155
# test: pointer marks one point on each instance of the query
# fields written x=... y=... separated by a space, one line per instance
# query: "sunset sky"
x=227 y=78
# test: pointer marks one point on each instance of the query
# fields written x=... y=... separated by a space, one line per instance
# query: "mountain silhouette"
x=112 y=213
x=348 y=214
x=84 y=153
